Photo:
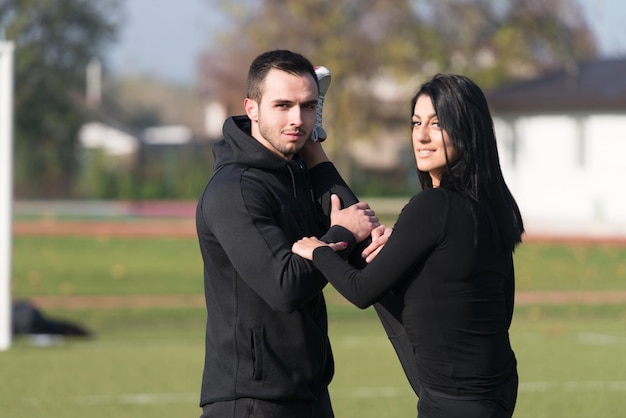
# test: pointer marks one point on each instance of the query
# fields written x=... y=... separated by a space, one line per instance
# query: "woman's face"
x=428 y=141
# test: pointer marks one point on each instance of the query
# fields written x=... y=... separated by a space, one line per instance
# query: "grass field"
x=146 y=362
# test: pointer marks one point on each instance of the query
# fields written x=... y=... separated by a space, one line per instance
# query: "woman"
x=449 y=259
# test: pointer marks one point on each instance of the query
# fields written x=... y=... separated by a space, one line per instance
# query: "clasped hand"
x=359 y=218
x=366 y=224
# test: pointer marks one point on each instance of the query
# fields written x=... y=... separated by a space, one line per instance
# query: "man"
x=267 y=348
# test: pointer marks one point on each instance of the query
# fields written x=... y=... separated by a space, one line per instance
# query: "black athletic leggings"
x=432 y=404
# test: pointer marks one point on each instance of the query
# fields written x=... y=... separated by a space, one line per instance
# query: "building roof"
x=589 y=85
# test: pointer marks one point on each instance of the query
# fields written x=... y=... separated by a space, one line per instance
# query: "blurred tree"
x=498 y=41
x=55 y=40
x=379 y=51
x=361 y=41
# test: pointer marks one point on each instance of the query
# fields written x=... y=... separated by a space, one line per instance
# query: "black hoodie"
x=266 y=333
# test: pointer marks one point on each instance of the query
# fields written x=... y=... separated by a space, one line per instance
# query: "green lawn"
x=44 y=265
x=147 y=362
x=570 y=267
x=103 y=266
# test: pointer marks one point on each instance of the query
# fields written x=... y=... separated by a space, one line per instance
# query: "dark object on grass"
x=29 y=320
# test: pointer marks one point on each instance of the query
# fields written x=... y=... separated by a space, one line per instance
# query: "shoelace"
x=318 y=111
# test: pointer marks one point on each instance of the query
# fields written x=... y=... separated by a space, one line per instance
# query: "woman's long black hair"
x=463 y=113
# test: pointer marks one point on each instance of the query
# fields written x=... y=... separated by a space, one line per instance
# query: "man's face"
x=285 y=117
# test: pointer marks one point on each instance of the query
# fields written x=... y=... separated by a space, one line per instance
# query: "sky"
x=163 y=38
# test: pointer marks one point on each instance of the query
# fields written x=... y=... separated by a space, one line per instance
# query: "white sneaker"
x=323 y=76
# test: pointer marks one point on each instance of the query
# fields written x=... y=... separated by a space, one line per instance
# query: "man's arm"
x=245 y=220
x=326 y=182
x=242 y=219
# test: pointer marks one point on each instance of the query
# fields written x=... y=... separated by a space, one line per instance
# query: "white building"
x=562 y=143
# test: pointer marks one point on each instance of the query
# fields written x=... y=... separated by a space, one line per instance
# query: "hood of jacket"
x=239 y=147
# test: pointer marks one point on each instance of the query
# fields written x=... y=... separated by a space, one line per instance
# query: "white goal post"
x=6 y=189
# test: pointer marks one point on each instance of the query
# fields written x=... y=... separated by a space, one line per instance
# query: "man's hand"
x=359 y=218
x=305 y=246
x=380 y=236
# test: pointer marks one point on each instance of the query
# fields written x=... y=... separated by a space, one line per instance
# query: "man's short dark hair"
x=280 y=59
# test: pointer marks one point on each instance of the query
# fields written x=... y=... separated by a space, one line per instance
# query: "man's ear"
x=252 y=109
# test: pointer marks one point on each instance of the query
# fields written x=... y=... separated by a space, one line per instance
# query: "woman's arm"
x=417 y=231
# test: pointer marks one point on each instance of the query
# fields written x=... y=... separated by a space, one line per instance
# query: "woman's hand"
x=305 y=247
x=380 y=236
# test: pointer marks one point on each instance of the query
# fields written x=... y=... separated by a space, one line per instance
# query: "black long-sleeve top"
x=457 y=296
